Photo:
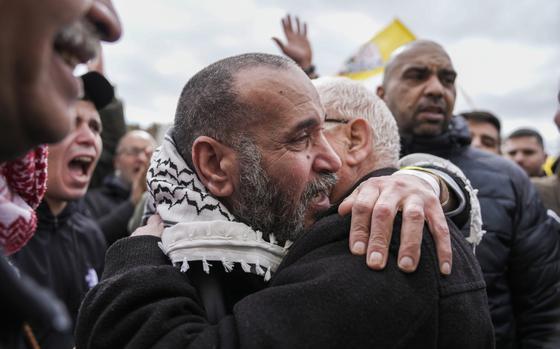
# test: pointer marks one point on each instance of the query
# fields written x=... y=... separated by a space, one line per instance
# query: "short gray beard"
x=265 y=205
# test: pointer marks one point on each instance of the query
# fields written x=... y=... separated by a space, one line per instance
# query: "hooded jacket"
x=520 y=252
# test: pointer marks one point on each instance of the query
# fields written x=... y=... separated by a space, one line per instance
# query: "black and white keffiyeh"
x=198 y=227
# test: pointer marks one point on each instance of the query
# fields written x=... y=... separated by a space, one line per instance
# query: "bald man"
x=113 y=203
x=520 y=253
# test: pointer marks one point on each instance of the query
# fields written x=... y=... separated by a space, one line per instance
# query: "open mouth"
x=77 y=43
x=80 y=166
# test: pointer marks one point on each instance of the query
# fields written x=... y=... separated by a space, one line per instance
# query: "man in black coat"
x=321 y=296
x=520 y=252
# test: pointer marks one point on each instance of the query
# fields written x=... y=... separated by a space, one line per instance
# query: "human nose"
x=476 y=142
x=326 y=160
x=104 y=16
x=86 y=135
x=434 y=87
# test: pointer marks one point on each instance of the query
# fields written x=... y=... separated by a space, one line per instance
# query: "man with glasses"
x=113 y=203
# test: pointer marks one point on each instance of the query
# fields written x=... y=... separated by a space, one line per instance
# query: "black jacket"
x=66 y=256
x=321 y=297
x=520 y=253
x=111 y=207
x=22 y=301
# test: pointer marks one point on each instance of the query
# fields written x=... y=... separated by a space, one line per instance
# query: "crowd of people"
x=281 y=209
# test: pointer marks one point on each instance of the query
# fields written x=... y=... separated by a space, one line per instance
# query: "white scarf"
x=198 y=227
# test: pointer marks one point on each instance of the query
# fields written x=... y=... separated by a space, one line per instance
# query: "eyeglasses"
x=136 y=151
x=337 y=121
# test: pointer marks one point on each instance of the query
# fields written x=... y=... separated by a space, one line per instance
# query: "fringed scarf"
x=198 y=227
x=22 y=186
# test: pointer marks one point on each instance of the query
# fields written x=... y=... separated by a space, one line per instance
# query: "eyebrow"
x=308 y=123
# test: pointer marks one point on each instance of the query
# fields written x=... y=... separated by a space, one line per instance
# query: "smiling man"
x=41 y=42
x=66 y=253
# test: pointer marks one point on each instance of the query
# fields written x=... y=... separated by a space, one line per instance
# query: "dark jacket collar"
x=456 y=138
x=116 y=186
x=45 y=215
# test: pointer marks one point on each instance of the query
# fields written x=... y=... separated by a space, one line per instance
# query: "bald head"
x=407 y=52
x=419 y=88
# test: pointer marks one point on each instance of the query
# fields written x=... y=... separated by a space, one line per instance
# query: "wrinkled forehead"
x=279 y=95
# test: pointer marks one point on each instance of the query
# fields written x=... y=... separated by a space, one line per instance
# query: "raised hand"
x=297 y=46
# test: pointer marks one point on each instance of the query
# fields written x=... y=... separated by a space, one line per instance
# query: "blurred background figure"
x=114 y=202
x=549 y=187
x=526 y=148
x=67 y=252
x=485 y=130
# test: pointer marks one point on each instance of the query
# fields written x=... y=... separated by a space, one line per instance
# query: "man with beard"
x=66 y=253
x=41 y=44
x=233 y=187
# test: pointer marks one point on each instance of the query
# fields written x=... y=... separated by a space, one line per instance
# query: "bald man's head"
x=419 y=88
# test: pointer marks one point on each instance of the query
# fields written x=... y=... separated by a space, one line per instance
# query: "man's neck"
x=56 y=206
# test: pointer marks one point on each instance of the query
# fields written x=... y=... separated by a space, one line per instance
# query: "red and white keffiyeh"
x=22 y=186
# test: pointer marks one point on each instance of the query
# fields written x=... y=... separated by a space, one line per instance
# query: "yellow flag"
x=372 y=56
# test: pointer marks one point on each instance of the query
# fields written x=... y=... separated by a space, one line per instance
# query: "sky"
x=506 y=53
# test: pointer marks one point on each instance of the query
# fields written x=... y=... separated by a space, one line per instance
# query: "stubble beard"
x=266 y=205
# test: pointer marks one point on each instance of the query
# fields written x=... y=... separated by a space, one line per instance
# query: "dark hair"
x=483 y=116
x=527 y=132
x=209 y=104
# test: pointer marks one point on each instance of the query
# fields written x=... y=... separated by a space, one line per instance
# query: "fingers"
x=381 y=230
x=153 y=227
x=298 y=25
x=154 y=219
x=411 y=235
x=345 y=206
x=279 y=43
x=362 y=206
x=288 y=25
x=304 y=29
x=440 y=232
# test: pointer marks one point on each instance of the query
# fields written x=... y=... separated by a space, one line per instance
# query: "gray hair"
x=351 y=99
x=209 y=104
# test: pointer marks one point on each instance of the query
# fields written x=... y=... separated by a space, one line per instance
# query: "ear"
x=215 y=164
x=380 y=91
x=361 y=141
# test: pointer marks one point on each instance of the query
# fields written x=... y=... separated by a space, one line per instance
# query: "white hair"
x=350 y=99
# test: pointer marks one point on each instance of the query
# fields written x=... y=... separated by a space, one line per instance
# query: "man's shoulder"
x=330 y=229
x=487 y=161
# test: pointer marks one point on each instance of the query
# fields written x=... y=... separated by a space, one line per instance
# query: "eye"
x=95 y=126
x=301 y=141
x=448 y=78
x=416 y=74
